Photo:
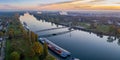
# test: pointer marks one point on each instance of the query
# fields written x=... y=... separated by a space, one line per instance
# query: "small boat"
x=58 y=50
x=24 y=23
x=25 y=26
x=54 y=34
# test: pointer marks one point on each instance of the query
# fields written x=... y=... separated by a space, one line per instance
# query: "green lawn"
x=100 y=28
x=103 y=28
x=84 y=25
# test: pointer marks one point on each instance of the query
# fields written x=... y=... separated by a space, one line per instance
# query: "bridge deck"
x=55 y=34
x=51 y=29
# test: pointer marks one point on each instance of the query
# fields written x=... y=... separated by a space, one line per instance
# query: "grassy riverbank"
x=20 y=42
x=103 y=29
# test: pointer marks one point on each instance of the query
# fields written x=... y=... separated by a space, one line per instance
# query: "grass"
x=103 y=28
x=84 y=25
x=100 y=28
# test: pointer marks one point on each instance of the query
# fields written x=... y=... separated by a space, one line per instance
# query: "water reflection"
x=118 y=42
x=100 y=35
x=111 y=39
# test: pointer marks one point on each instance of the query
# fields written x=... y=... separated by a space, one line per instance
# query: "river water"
x=82 y=44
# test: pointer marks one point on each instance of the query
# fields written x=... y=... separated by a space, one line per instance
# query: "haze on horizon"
x=60 y=5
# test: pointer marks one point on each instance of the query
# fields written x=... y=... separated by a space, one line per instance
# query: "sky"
x=59 y=4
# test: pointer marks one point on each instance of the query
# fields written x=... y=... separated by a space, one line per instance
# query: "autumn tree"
x=93 y=25
x=113 y=30
x=38 y=48
x=11 y=34
x=45 y=50
x=30 y=52
x=36 y=37
x=15 y=56
x=1 y=34
x=118 y=31
x=33 y=37
x=25 y=35
x=21 y=28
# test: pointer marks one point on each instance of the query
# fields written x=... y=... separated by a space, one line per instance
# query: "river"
x=82 y=44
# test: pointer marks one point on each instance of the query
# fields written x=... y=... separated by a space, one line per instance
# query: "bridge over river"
x=56 y=34
x=50 y=29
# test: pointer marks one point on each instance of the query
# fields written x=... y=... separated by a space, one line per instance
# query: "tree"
x=30 y=51
x=32 y=37
x=37 y=48
x=15 y=56
x=11 y=34
x=1 y=34
x=16 y=16
x=112 y=29
x=21 y=28
x=25 y=35
x=45 y=50
x=118 y=32
x=93 y=25
x=36 y=37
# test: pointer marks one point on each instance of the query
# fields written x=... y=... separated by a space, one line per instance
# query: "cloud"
x=12 y=7
x=117 y=3
x=7 y=7
x=61 y=2
x=97 y=0
x=56 y=3
x=79 y=5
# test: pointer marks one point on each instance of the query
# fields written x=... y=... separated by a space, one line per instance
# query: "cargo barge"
x=58 y=50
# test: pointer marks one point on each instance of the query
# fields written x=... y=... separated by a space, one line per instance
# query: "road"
x=2 y=55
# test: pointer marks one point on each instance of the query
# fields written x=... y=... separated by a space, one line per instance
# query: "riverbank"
x=100 y=30
x=19 y=41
